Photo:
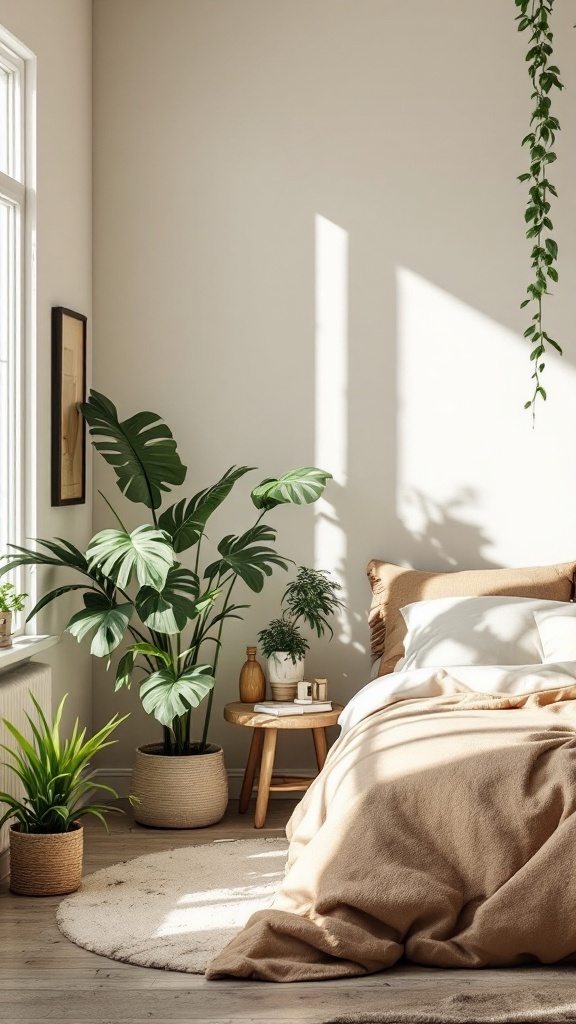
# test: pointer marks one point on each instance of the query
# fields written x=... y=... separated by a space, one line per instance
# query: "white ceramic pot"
x=281 y=668
x=284 y=675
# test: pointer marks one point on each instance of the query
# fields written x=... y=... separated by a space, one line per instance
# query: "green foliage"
x=246 y=558
x=298 y=487
x=54 y=774
x=309 y=598
x=283 y=636
x=534 y=17
x=141 y=450
x=167 y=695
x=185 y=522
x=108 y=620
x=312 y=596
x=119 y=555
x=10 y=601
x=136 y=590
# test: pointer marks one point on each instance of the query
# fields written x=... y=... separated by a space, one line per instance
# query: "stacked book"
x=279 y=707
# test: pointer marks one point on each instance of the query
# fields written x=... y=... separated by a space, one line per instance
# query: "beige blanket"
x=440 y=829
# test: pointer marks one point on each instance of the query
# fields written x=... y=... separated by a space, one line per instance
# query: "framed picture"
x=68 y=388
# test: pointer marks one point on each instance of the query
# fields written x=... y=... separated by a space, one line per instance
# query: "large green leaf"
x=168 y=610
x=52 y=595
x=141 y=450
x=118 y=555
x=185 y=522
x=58 y=553
x=298 y=487
x=247 y=557
x=126 y=664
x=109 y=620
x=167 y=696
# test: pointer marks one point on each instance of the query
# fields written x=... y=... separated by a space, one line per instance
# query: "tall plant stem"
x=215 y=667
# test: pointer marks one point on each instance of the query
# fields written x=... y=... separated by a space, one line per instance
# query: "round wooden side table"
x=263 y=749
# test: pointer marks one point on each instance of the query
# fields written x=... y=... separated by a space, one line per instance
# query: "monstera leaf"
x=127 y=661
x=108 y=619
x=168 y=610
x=247 y=557
x=119 y=554
x=167 y=696
x=185 y=522
x=298 y=487
x=141 y=450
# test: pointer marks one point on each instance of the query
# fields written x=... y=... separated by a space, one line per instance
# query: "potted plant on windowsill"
x=172 y=615
x=47 y=838
x=10 y=602
x=309 y=599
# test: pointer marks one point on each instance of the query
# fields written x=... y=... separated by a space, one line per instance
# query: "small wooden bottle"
x=252 y=679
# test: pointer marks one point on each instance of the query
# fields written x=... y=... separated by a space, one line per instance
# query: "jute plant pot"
x=45 y=865
x=179 y=792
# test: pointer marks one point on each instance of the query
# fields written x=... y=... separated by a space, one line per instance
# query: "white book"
x=279 y=707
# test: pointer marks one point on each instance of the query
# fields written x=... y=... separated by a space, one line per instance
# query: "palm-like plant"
x=136 y=588
x=54 y=775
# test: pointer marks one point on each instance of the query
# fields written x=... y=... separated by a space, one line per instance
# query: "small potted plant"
x=309 y=599
x=46 y=841
x=10 y=602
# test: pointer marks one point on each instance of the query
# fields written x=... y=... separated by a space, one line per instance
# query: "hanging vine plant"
x=534 y=17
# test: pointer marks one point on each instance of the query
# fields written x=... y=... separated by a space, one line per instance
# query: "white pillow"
x=557 y=629
x=474 y=631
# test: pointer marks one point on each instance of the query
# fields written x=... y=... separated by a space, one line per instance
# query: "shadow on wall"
x=374 y=117
x=443 y=539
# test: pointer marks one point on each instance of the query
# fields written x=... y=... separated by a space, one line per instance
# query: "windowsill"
x=23 y=648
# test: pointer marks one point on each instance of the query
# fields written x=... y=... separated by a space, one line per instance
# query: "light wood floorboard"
x=44 y=977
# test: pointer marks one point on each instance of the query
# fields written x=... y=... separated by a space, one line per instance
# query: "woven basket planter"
x=45 y=865
x=179 y=792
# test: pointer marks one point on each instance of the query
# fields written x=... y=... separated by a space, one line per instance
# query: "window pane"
x=10 y=398
x=4 y=388
x=4 y=120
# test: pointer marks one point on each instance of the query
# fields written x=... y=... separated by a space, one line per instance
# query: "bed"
x=442 y=828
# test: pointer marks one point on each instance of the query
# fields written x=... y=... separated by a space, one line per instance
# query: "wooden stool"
x=263 y=748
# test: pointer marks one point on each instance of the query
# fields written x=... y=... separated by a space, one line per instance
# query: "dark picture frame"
x=68 y=388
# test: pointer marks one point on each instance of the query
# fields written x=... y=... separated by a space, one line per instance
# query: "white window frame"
x=18 y=191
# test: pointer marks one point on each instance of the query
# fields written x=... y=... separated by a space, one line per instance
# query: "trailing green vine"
x=534 y=17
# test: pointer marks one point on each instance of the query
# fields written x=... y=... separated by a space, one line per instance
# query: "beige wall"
x=226 y=134
x=60 y=35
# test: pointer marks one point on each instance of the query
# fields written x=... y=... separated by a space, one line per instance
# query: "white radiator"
x=15 y=688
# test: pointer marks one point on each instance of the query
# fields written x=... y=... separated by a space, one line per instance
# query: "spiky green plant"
x=54 y=774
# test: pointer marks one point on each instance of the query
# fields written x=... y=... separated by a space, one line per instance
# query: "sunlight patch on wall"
x=331 y=392
x=473 y=477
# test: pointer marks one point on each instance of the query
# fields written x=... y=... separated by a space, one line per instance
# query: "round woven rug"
x=174 y=910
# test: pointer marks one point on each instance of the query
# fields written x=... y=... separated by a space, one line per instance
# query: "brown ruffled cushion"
x=394 y=586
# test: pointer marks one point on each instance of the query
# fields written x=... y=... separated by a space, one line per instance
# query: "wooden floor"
x=44 y=977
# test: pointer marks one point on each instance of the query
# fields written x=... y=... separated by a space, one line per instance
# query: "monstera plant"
x=136 y=587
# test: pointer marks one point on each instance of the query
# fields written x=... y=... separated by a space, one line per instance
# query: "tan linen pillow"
x=394 y=586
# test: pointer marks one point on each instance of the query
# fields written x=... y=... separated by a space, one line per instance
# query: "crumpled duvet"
x=441 y=829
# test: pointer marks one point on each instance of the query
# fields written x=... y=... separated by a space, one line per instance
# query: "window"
x=15 y=287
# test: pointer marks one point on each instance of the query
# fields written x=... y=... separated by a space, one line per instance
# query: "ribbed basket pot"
x=179 y=792
x=46 y=865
